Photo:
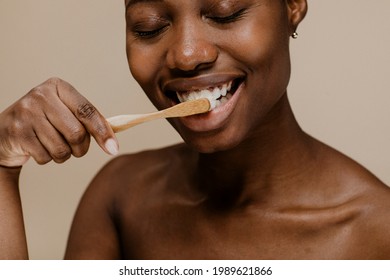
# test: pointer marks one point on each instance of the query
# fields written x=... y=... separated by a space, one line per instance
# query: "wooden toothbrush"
x=193 y=107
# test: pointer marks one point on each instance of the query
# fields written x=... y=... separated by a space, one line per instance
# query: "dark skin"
x=248 y=183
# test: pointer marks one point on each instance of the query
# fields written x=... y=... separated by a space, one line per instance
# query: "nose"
x=191 y=49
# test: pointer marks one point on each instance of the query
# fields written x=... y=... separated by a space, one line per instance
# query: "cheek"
x=266 y=56
x=263 y=53
x=262 y=47
x=143 y=65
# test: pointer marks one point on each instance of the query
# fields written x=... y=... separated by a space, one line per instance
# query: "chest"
x=189 y=235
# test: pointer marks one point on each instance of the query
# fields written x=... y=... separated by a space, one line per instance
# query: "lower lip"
x=215 y=119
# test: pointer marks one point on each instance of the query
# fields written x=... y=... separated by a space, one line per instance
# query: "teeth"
x=204 y=93
x=217 y=103
x=213 y=104
x=224 y=100
x=216 y=93
x=229 y=86
x=224 y=90
x=181 y=99
x=216 y=96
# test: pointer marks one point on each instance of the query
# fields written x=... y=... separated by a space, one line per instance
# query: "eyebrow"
x=133 y=2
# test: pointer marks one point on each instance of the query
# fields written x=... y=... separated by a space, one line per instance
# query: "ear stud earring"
x=294 y=35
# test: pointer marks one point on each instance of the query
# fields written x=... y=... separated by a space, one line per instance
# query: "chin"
x=212 y=143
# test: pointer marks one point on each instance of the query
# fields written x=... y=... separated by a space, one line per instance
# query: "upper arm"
x=93 y=234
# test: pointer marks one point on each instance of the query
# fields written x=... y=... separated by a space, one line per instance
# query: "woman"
x=248 y=183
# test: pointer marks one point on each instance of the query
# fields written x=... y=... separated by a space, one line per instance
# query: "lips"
x=217 y=88
x=217 y=96
x=222 y=90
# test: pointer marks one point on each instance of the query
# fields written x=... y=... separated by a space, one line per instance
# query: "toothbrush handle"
x=123 y=122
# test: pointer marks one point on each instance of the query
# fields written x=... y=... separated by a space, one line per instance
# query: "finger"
x=52 y=141
x=68 y=126
x=33 y=147
x=89 y=116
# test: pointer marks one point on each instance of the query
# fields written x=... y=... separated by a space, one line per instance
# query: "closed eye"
x=146 y=34
x=228 y=19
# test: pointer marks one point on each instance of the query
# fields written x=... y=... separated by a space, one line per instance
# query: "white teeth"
x=181 y=99
x=229 y=86
x=213 y=104
x=216 y=93
x=224 y=90
x=216 y=96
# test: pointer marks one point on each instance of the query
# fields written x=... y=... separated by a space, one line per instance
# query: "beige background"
x=339 y=90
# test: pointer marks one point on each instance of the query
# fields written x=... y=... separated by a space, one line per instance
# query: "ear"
x=296 y=10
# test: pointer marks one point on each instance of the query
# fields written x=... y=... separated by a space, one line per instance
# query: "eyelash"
x=220 y=20
x=228 y=19
x=149 y=34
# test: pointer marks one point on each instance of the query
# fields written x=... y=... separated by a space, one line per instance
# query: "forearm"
x=13 y=243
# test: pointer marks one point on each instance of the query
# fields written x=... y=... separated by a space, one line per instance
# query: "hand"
x=52 y=122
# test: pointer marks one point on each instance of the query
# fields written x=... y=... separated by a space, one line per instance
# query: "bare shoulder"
x=118 y=196
x=370 y=197
x=373 y=225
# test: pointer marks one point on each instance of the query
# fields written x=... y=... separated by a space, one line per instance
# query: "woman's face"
x=232 y=51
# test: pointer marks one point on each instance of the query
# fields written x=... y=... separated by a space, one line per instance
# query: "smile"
x=222 y=90
x=217 y=95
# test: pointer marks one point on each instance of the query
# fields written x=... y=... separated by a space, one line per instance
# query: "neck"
x=276 y=153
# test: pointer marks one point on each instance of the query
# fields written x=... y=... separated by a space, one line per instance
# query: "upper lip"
x=198 y=83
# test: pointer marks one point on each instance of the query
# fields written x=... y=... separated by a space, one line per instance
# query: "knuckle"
x=54 y=81
x=40 y=92
x=81 y=152
x=23 y=112
x=77 y=136
x=41 y=160
x=61 y=154
x=62 y=86
x=37 y=92
x=15 y=128
x=86 y=111
x=26 y=104
x=37 y=96
x=43 y=91
x=39 y=100
x=100 y=130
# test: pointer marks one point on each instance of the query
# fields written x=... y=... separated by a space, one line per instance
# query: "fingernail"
x=112 y=147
